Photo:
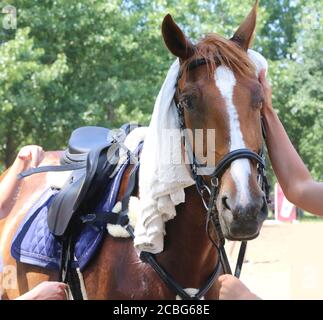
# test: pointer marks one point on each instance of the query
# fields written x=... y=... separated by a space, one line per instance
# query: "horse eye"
x=188 y=102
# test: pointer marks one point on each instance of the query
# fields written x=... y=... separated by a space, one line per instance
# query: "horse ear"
x=245 y=34
x=175 y=40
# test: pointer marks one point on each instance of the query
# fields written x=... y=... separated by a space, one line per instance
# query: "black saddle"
x=83 y=140
x=92 y=156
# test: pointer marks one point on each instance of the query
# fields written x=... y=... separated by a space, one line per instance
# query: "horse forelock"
x=216 y=50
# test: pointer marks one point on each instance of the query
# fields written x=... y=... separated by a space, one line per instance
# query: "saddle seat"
x=83 y=140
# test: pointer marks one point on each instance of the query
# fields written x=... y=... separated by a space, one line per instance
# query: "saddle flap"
x=84 y=188
x=96 y=170
x=61 y=209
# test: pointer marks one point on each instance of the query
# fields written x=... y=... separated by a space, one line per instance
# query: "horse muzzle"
x=243 y=223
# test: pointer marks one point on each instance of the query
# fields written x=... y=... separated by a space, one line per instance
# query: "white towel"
x=259 y=61
x=163 y=175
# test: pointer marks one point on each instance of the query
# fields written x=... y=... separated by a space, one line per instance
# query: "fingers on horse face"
x=262 y=75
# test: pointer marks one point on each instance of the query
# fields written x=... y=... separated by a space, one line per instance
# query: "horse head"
x=218 y=89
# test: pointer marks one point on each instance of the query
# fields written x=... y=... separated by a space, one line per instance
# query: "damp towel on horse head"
x=163 y=175
x=161 y=180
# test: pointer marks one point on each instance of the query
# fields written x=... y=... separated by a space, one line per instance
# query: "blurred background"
x=65 y=64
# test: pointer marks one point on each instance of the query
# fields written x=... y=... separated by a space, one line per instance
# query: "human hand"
x=47 y=290
x=267 y=104
x=31 y=155
x=231 y=288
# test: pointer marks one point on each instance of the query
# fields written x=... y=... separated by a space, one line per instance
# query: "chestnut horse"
x=222 y=92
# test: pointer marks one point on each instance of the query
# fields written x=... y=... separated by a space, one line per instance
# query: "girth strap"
x=65 y=167
x=106 y=217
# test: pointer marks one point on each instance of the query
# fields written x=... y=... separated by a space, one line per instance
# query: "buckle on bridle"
x=215 y=182
x=202 y=190
x=194 y=169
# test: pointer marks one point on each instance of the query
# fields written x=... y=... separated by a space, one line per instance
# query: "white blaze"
x=240 y=169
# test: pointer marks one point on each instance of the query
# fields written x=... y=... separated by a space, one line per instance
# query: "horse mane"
x=216 y=50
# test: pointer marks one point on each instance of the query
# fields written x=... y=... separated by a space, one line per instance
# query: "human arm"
x=292 y=174
x=231 y=288
x=28 y=156
x=47 y=290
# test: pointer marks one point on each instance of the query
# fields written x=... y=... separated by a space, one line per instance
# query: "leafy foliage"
x=297 y=88
x=98 y=62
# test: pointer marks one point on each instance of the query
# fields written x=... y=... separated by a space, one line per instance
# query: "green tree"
x=98 y=62
x=24 y=80
x=298 y=91
x=279 y=31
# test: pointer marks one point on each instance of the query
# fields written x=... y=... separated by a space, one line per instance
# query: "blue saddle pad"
x=34 y=244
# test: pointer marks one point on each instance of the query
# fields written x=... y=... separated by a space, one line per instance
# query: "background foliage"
x=99 y=62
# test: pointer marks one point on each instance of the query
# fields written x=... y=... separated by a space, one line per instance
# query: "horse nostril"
x=225 y=203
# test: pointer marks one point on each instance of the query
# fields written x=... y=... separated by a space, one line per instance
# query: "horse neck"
x=188 y=254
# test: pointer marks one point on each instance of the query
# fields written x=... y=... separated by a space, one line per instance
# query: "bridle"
x=209 y=193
